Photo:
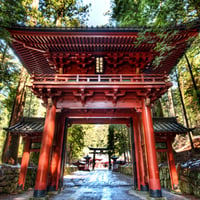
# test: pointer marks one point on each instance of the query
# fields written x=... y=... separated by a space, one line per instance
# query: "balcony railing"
x=99 y=79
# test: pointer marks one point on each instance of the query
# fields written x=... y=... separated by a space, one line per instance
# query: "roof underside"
x=44 y=51
x=34 y=126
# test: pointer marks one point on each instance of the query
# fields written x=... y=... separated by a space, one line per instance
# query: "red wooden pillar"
x=154 y=179
x=137 y=158
x=54 y=161
x=134 y=170
x=172 y=166
x=62 y=157
x=45 y=151
x=144 y=154
x=24 y=164
x=55 y=166
x=143 y=184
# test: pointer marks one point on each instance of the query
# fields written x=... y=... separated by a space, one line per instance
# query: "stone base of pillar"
x=155 y=193
x=60 y=184
x=39 y=194
x=144 y=188
x=144 y=195
x=51 y=188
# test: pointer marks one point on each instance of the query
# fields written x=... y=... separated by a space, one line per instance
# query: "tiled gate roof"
x=32 y=126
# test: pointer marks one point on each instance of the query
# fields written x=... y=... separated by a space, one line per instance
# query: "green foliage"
x=47 y=13
x=122 y=137
x=96 y=135
x=165 y=105
x=64 y=13
x=25 y=12
x=154 y=13
x=187 y=88
x=33 y=106
x=75 y=142
x=9 y=68
x=160 y=16
x=34 y=156
x=111 y=137
x=11 y=13
x=157 y=110
x=118 y=139
x=189 y=94
x=56 y=13
x=9 y=76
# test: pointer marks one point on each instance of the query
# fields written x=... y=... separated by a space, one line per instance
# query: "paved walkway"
x=103 y=185
x=96 y=185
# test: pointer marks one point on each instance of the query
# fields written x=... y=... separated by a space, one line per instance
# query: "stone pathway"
x=103 y=185
x=97 y=185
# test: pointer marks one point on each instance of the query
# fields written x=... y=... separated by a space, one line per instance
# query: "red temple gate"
x=97 y=75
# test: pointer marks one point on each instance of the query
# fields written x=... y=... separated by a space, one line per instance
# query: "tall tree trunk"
x=193 y=80
x=171 y=103
x=10 y=150
x=183 y=107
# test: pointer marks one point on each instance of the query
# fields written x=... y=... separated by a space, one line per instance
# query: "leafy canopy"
x=155 y=13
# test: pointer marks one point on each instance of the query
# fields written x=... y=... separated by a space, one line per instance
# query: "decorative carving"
x=114 y=60
x=61 y=60
x=115 y=93
x=134 y=62
x=82 y=93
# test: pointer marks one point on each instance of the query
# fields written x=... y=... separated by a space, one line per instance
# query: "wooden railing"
x=99 y=78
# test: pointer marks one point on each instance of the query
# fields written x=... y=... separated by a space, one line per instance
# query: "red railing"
x=98 y=78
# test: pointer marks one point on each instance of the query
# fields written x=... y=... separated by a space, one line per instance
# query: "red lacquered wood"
x=59 y=151
x=172 y=166
x=141 y=160
x=136 y=133
x=45 y=151
x=154 y=180
x=24 y=164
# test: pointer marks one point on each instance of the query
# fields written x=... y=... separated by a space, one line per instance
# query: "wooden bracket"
x=115 y=93
x=83 y=94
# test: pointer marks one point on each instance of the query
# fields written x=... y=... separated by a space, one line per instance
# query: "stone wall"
x=189 y=179
x=30 y=178
x=9 y=178
x=165 y=177
x=125 y=169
